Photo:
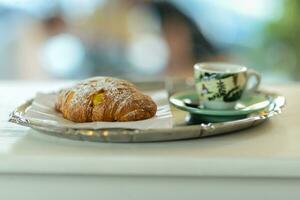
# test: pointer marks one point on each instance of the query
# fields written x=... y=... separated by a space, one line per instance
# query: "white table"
x=258 y=163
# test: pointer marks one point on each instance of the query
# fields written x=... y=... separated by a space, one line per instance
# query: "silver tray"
x=181 y=129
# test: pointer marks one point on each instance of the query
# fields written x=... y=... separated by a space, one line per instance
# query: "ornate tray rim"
x=151 y=135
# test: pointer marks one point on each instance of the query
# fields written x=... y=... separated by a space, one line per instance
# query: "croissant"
x=104 y=99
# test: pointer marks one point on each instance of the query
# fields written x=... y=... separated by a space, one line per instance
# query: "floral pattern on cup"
x=221 y=85
x=220 y=89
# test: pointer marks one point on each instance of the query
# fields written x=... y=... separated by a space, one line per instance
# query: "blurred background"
x=144 y=39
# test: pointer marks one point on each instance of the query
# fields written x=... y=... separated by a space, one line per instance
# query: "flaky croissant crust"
x=104 y=99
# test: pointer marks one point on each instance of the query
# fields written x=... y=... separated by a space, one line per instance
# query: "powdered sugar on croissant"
x=104 y=99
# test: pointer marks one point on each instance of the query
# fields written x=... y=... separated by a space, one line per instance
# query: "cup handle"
x=251 y=90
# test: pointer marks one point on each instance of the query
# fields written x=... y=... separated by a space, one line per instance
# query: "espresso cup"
x=221 y=85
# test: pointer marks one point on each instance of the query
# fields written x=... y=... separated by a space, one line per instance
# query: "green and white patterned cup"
x=221 y=85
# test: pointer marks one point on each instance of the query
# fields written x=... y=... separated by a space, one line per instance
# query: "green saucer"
x=244 y=106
